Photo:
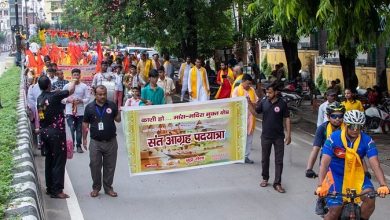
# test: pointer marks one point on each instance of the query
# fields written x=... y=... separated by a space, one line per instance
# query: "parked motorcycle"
x=293 y=102
x=378 y=118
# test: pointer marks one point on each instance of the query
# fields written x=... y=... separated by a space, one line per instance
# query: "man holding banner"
x=245 y=89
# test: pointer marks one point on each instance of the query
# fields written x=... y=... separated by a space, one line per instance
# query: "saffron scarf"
x=353 y=167
x=182 y=69
x=252 y=96
x=329 y=129
x=194 y=81
x=148 y=65
x=220 y=79
x=236 y=81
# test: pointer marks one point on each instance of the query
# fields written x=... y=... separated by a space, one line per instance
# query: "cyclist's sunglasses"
x=336 y=116
x=354 y=127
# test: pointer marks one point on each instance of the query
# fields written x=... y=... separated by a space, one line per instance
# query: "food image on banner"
x=185 y=136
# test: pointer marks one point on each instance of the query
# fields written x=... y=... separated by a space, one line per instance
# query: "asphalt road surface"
x=223 y=192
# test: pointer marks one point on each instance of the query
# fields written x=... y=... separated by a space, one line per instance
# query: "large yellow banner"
x=173 y=137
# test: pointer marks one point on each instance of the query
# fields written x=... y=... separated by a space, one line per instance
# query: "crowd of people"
x=53 y=101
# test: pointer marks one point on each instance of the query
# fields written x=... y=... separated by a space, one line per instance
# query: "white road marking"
x=73 y=204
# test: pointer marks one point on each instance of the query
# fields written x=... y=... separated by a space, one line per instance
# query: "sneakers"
x=247 y=160
x=79 y=150
x=320 y=207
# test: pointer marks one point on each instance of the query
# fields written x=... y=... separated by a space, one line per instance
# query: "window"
x=6 y=13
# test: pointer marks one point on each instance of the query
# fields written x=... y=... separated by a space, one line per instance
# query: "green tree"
x=285 y=26
x=352 y=26
x=181 y=27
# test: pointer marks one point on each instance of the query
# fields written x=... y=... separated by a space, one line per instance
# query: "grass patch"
x=9 y=94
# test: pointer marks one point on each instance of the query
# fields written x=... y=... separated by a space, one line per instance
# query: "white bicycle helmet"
x=354 y=117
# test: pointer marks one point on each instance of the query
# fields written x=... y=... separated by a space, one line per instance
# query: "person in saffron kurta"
x=144 y=66
x=245 y=89
x=198 y=84
x=225 y=79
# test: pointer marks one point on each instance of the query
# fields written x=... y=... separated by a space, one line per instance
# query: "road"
x=224 y=192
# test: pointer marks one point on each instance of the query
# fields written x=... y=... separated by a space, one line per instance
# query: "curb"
x=26 y=200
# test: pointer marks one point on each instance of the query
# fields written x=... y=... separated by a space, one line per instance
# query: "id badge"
x=101 y=126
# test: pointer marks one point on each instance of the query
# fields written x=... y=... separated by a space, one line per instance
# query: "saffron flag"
x=328 y=181
x=100 y=57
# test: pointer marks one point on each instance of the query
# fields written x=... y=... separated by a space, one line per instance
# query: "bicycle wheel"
x=351 y=211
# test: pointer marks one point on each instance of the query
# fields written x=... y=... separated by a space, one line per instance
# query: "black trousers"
x=54 y=143
x=266 y=146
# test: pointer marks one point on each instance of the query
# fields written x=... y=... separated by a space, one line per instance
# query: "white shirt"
x=321 y=118
x=201 y=89
x=185 y=76
x=137 y=79
x=168 y=68
x=119 y=82
x=168 y=86
x=212 y=63
x=82 y=92
x=53 y=80
x=100 y=77
x=32 y=95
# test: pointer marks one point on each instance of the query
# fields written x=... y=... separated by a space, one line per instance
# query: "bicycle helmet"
x=354 y=117
x=335 y=107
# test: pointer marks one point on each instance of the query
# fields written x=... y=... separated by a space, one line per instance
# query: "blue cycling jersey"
x=335 y=149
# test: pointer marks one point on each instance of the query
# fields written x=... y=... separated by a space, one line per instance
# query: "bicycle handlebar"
x=370 y=194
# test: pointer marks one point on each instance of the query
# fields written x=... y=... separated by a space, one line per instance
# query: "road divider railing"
x=26 y=199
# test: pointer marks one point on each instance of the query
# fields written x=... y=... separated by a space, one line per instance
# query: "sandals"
x=264 y=183
x=59 y=196
x=94 y=193
x=111 y=193
x=279 y=188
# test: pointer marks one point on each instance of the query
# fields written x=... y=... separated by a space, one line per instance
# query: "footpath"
x=5 y=62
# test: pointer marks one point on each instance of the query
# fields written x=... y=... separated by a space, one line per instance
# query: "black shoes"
x=320 y=207
x=247 y=160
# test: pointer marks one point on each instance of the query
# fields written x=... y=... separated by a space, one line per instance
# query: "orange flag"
x=100 y=57
x=328 y=181
x=40 y=63
x=126 y=64
x=85 y=48
x=55 y=53
x=32 y=63
x=72 y=54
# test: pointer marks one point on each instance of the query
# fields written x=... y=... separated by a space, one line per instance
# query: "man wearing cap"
x=330 y=98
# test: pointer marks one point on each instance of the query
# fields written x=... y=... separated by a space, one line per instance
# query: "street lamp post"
x=27 y=30
x=17 y=36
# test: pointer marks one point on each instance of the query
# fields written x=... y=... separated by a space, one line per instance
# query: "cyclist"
x=343 y=153
x=335 y=113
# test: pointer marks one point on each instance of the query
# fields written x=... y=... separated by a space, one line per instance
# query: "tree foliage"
x=282 y=24
x=352 y=26
x=181 y=27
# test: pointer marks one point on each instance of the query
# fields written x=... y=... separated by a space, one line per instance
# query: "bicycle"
x=351 y=210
